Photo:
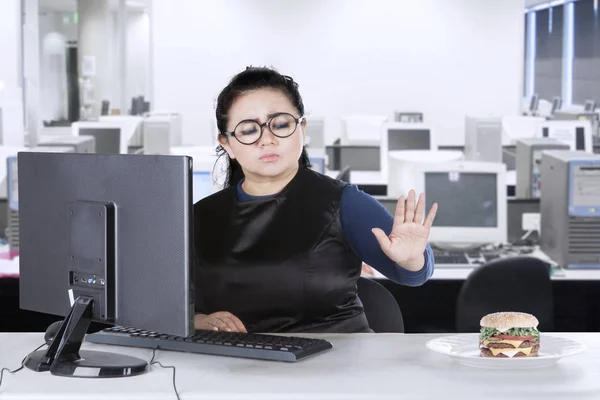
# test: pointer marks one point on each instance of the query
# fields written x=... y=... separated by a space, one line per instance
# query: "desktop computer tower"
x=570 y=208
x=483 y=139
x=528 y=161
x=80 y=144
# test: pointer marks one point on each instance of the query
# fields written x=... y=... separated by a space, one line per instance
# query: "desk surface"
x=361 y=366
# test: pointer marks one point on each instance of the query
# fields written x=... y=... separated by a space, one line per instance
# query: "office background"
x=444 y=59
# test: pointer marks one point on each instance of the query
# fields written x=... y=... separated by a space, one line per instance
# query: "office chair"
x=381 y=308
x=510 y=284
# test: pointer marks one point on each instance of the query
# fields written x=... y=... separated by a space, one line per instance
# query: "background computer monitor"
x=361 y=130
x=110 y=234
x=589 y=106
x=471 y=198
x=108 y=139
x=399 y=136
x=534 y=103
x=556 y=104
x=202 y=183
x=576 y=133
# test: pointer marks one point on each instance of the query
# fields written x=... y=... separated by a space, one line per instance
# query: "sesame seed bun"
x=503 y=320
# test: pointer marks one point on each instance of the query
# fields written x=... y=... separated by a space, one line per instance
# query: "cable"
x=152 y=362
x=18 y=369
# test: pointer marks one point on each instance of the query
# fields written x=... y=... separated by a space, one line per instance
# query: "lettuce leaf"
x=487 y=333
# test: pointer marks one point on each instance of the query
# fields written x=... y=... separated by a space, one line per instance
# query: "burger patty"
x=525 y=344
x=488 y=353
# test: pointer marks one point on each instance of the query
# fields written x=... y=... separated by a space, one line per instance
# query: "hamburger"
x=508 y=335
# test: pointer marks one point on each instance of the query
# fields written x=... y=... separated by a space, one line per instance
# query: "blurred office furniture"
x=483 y=139
x=510 y=284
x=576 y=133
x=344 y=174
x=174 y=124
x=529 y=160
x=315 y=132
x=406 y=116
x=80 y=144
x=105 y=107
x=516 y=127
x=381 y=309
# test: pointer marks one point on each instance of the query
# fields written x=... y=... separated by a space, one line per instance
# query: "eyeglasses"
x=281 y=125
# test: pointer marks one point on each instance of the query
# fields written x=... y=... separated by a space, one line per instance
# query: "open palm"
x=407 y=241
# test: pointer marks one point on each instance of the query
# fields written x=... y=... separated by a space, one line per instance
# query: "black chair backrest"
x=381 y=308
x=512 y=284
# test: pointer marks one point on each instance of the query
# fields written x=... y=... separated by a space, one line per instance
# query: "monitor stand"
x=64 y=358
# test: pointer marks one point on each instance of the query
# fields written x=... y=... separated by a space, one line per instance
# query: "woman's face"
x=270 y=156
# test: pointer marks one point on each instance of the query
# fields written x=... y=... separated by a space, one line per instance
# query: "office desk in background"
x=360 y=366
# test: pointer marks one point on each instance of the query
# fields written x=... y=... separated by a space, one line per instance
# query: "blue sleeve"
x=359 y=213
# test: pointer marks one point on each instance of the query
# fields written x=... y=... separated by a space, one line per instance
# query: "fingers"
x=382 y=238
x=420 y=213
x=239 y=326
x=409 y=214
x=220 y=321
x=431 y=216
x=399 y=214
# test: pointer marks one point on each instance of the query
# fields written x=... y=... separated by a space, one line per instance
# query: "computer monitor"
x=399 y=136
x=105 y=238
x=202 y=183
x=576 y=133
x=404 y=116
x=361 y=130
x=108 y=139
x=589 y=106
x=471 y=198
x=534 y=103
x=556 y=104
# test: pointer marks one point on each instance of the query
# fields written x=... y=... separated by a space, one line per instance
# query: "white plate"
x=464 y=348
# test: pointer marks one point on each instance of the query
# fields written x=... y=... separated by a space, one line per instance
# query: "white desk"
x=360 y=366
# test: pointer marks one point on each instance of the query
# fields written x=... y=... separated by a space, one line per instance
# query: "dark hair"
x=251 y=79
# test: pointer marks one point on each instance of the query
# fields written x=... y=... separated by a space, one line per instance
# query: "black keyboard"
x=248 y=345
x=450 y=257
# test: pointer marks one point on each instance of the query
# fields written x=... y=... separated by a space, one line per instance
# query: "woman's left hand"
x=406 y=243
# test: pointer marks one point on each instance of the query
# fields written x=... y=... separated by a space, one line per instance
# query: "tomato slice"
x=508 y=337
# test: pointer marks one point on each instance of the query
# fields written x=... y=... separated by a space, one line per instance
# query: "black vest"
x=279 y=264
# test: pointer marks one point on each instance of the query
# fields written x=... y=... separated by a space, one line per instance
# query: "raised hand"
x=406 y=243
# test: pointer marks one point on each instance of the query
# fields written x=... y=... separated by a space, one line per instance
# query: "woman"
x=280 y=248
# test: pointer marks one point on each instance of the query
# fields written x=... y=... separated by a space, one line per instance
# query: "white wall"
x=445 y=58
x=138 y=54
x=11 y=90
